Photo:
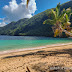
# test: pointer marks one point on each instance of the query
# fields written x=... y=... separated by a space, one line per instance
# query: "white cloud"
x=15 y=11
x=2 y=24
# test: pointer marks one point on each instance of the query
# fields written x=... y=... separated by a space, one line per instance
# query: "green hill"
x=33 y=26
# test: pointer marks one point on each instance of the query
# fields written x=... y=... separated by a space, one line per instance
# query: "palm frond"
x=58 y=10
x=67 y=18
x=54 y=12
x=61 y=16
x=49 y=21
x=68 y=11
x=27 y=3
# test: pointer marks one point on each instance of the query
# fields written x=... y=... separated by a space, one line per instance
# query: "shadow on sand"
x=44 y=54
x=42 y=67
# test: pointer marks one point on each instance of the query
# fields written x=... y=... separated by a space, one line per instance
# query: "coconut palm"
x=60 y=20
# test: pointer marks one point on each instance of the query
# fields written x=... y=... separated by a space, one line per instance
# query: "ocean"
x=20 y=42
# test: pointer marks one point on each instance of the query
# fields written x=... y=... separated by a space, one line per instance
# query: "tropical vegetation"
x=60 y=21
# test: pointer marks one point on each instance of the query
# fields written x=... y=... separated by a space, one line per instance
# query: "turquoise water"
x=19 y=42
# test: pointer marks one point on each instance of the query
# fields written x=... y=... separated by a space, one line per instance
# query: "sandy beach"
x=51 y=58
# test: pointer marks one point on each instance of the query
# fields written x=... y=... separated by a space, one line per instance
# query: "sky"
x=13 y=10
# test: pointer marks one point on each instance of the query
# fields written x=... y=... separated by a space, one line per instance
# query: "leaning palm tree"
x=60 y=20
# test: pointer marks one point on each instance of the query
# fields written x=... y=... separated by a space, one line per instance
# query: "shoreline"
x=34 y=48
x=40 y=58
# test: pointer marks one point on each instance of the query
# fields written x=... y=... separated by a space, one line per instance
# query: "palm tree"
x=60 y=20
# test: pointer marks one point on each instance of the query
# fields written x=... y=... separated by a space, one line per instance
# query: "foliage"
x=61 y=21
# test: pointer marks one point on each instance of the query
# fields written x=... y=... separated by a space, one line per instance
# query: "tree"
x=60 y=20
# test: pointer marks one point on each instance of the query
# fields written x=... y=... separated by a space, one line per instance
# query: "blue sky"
x=41 y=5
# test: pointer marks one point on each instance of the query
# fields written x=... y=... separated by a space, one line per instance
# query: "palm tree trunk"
x=69 y=33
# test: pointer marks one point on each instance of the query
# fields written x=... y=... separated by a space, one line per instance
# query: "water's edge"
x=34 y=48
